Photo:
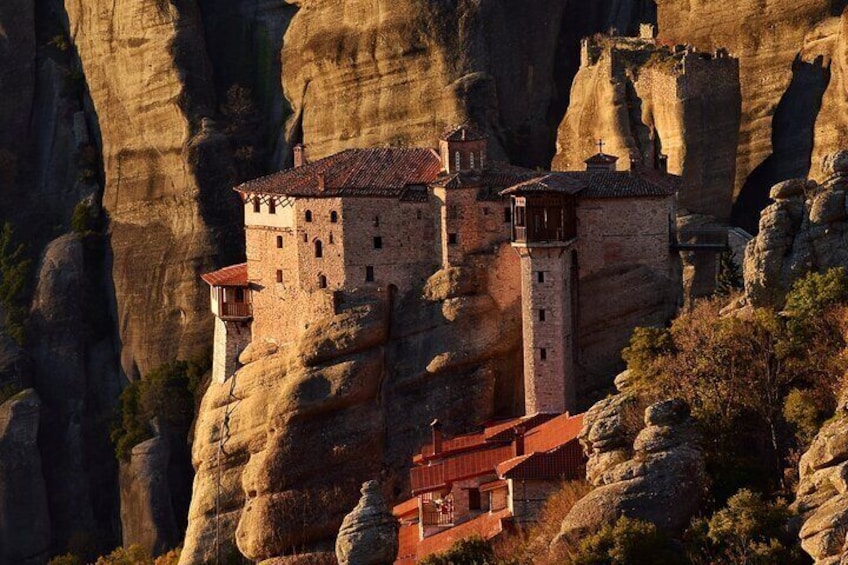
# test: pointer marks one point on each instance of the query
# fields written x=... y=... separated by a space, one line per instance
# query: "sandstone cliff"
x=781 y=93
x=830 y=46
x=302 y=428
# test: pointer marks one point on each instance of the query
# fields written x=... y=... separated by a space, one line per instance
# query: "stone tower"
x=544 y=235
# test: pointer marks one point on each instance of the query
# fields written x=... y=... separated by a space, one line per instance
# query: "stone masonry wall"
x=230 y=340
x=547 y=324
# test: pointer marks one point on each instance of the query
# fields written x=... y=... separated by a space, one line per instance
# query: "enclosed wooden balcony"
x=543 y=219
x=230 y=294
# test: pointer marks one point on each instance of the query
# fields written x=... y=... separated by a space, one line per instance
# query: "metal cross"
x=601 y=146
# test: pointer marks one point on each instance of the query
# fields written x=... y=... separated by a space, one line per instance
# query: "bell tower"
x=463 y=149
x=544 y=233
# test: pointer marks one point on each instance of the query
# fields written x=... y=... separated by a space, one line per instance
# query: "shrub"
x=170 y=558
x=132 y=555
x=471 y=551
x=167 y=393
x=802 y=410
x=646 y=345
x=85 y=219
x=749 y=530
x=729 y=277
x=9 y=390
x=627 y=542
x=14 y=276
x=67 y=559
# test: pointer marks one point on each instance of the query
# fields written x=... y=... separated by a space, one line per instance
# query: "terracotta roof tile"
x=486 y=525
x=377 y=172
x=602 y=184
x=553 y=433
x=234 y=275
x=463 y=132
x=601 y=159
x=564 y=462
x=458 y=467
x=554 y=182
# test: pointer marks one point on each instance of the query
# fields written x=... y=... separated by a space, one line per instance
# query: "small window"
x=332 y=240
x=542 y=314
x=319 y=249
x=540 y=276
x=471 y=160
x=473 y=499
x=485 y=211
x=369 y=274
x=257 y=205
x=452 y=239
x=279 y=242
x=507 y=215
x=543 y=354
x=279 y=276
x=308 y=215
x=376 y=221
x=378 y=242
x=322 y=281
x=457 y=161
x=334 y=217
x=453 y=212
x=418 y=214
x=272 y=206
x=305 y=238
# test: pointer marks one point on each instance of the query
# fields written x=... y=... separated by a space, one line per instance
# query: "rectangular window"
x=279 y=242
x=272 y=207
x=507 y=215
x=485 y=211
x=453 y=212
x=279 y=276
x=378 y=242
x=543 y=354
x=473 y=499
x=369 y=274
x=452 y=239
x=542 y=314
x=540 y=276
x=257 y=205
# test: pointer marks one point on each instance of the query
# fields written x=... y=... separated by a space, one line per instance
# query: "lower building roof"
x=234 y=275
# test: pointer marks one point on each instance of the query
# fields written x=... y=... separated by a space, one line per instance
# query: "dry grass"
x=532 y=544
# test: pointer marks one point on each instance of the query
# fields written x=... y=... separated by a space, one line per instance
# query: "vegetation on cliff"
x=14 y=278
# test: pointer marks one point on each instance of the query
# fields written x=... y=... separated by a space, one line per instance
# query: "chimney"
x=436 y=427
x=321 y=182
x=299 y=155
x=662 y=163
x=518 y=442
x=635 y=162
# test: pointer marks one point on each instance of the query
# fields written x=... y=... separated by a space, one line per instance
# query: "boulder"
x=368 y=535
x=788 y=189
x=662 y=481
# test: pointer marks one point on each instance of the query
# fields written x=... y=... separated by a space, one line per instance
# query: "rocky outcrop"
x=659 y=477
x=644 y=100
x=24 y=520
x=301 y=428
x=368 y=535
x=822 y=497
x=17 y=85
x=781 y=89
x=805 y=229
x=831 y=130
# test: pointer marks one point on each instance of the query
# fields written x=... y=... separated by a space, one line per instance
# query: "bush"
x=67 y=559
x=749 y=530
x=471 y=551
x=14 y=276
x=627 y=542
x=646 y=345
x=803 y=411
x=167 y=393
x=84 y=219
x=132 y=555
x=729 y=277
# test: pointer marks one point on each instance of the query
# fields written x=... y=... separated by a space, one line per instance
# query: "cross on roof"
x=601 y=145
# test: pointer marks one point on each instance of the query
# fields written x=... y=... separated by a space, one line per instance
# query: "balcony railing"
x=236 y=310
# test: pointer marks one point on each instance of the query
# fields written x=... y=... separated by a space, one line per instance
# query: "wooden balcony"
x=235 y=311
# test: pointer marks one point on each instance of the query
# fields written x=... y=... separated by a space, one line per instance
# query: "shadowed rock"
x=368 y=535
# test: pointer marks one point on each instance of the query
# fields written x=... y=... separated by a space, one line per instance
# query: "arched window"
x=272 y=206
x=322 y=281
x=319 y=249
x=308 y=215
x=334 y=217
x=331 y=239
x=279 y=242
x=471 y=160
x=457 y=161
x=257 y=205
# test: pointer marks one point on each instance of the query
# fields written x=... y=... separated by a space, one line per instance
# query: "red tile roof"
x=601 y=159
x=234 y=275
x=439 y=474
x=405 y=508
x=564 y=462
x=486 y=525
x=378 y=172
x=601 y=184
x=553 y=182
x=553 y=433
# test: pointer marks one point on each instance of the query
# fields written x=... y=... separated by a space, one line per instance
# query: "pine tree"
x=729 y=274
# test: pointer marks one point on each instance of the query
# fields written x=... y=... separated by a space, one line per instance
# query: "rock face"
x=302 y=428
x=24 y=520
x=368 y=535
x=644 y=100
x=781 y=92
x=805 y=229
x=831 y=133
x=658 y=477
x=822 y=498
x=362 y=73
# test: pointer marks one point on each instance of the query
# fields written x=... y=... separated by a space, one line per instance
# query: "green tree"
x=627 y=542
x=14 y=275
x=471 y=551
x=729 y=277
